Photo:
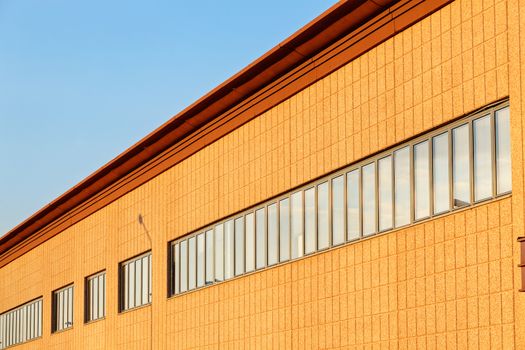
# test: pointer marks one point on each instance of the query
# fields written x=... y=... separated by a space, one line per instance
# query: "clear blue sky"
x=81 y=81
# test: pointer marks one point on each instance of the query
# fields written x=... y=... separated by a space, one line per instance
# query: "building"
x=360 y=186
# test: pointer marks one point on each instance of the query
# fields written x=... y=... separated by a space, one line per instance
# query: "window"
x=135 y=279
x=433 y=174
x=297 y=225
x=95 y=297
x=284 y=230
x=461 y=165
x=260 y=237
x=440 y=173
x=192 y=262
x=369 y=199
x=229 y=249
x=402 y=186
x=209 y=257
x=250 y=242
x=62 y=312
x=338 y=210
x=503 y=163
x=239 y=246
x=273 y=231
x=353 y=204
x=309 y=221
x=482 y=158
x=386 y=207
x=421 y=181
x=21 y=324
x=201 y=246
x=322 y=217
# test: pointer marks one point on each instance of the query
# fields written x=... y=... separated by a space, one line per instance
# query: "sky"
x=81 y=81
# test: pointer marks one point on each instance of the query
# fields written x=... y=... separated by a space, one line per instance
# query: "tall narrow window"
x=183 y=266
x=284 y=229
x=229 y=249
x=369 y=199
x=385 y=193
x=353 y=212
x=260 y=237
x=503 y=159
x=135 y=280
x=62 y=309
x=209 y=257
x=309 y=221
x=461 y=165
x=219 y=253
x=239 y=246
x=338 y=210
x=421 y=181
x=95 y=297
x=440 y=173
x=402 y=186
x=273 y=232
x=175 y=267
x=250 y=242
x=482 y=158
x=323 y=239
x=297 y=224
x=192 y=262
x=201 y=260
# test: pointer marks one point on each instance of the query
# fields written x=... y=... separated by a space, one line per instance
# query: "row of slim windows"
x=464 y=163
x=448 y=169
x=24 y=323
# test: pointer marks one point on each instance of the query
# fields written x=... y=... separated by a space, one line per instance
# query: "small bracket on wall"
x=521 y=265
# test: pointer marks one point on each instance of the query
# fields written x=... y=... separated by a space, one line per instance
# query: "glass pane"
x=229 y=249
x=219 y=253
x=440 y=173
x=209 y=257
x=421 y=181
x=322 y=216
x=260 y=244
x=94 y=299
x=184 y=266
x=402 y=186
x=131 y=285
x=273 y=240
x=146 y=279
x=239 y=246
x=384 y=166
x=352 y=187
x=297 y=225
x=200 y=259
x=176 y=267
x=284 y=229
x=482 y=158
x=309 y=221
x=102 y=295
x=461 y=165
x=70 y=307
x=192 y=270
x=503 y=162
x=138 y=282
x=369 y=199
x=250 y=242
x=338 y=210
x=150 y=278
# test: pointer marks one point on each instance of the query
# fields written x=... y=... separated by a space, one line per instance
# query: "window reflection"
x=421 y=181
x=284 y=229
x=219 y=252
x=461 y=165
x=402 y=186
x=309 y=221
x=503 y=159
x=191 y=264
x=354 y=221
x=209 y=257
x=200 y=260
x=385 y=193
x=273 y=239
x=260 y=233
x=239 y=246
x=338 y=210
x=369 y=199
x=482 y=158
x=322 y=216
x=250 y=242
x=440 y=173
x=297 y=239
x=229 y=245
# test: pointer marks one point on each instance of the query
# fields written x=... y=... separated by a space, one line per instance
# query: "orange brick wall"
x=448 y=283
